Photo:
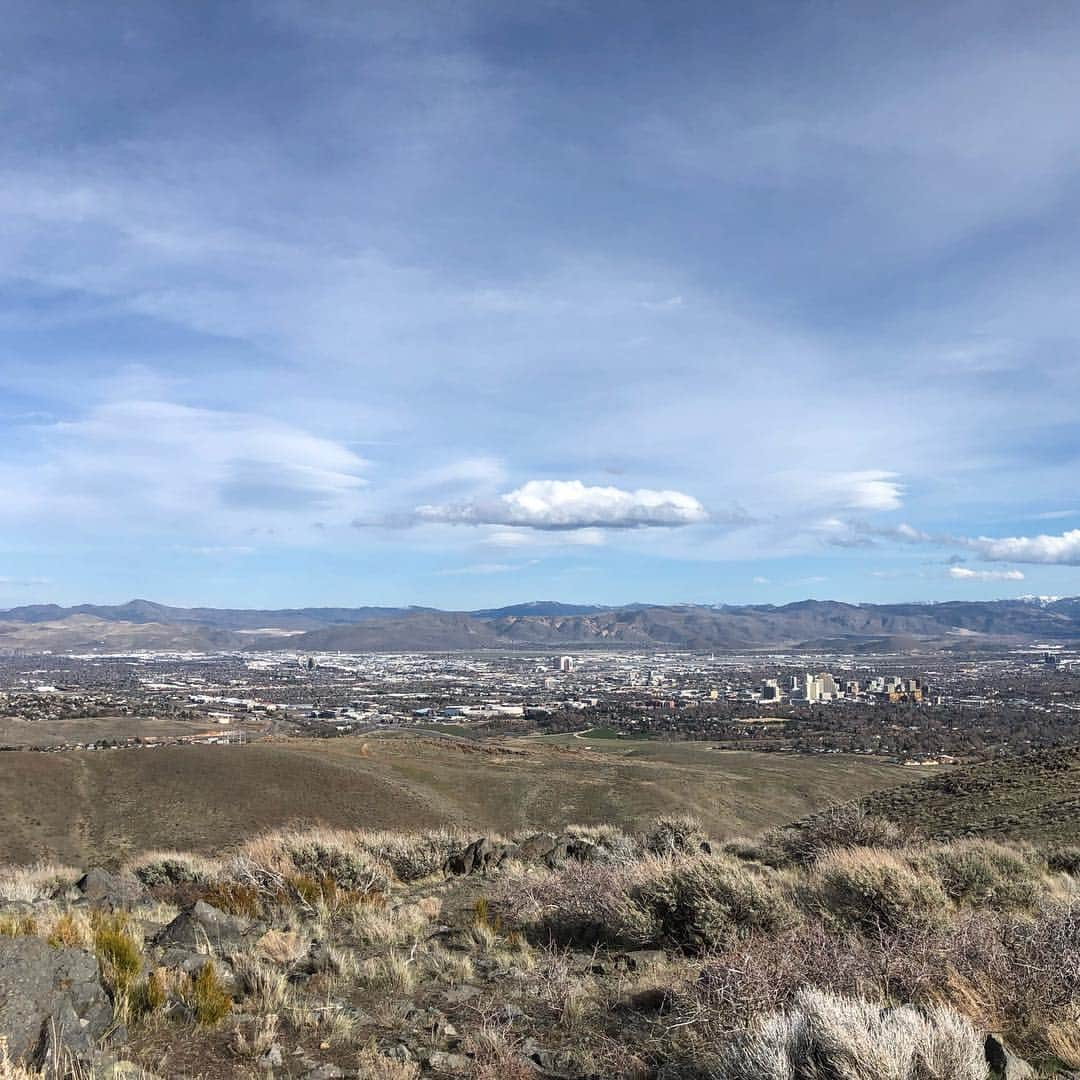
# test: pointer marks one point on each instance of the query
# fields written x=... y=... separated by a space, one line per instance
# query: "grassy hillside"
x=87 y=807
x=1033 y=797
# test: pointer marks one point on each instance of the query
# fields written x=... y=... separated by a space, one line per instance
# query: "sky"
x=470 y=303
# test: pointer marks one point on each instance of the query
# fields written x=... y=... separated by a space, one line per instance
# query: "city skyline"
x=461 y=305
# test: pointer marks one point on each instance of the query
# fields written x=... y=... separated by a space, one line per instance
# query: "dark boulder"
x=479 y=857
x=202 y=926
x=1004 y=1064
x=50 y=998
x=99 y=888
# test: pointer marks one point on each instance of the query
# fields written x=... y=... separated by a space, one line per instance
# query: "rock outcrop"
x=50 y=998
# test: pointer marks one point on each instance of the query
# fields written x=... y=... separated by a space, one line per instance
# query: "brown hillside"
x=107 y=805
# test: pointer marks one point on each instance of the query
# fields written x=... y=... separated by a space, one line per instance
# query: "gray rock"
x=535 y=848
x=1004 y=1064
x=65 y=1037
x=102 y=889
x=50 y=997
x=204 y=927
x=479 y=857
x=451 y=1064
x=325 y=1072
x=272 y=1059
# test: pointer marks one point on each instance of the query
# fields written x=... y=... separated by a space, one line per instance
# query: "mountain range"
x=807 y=624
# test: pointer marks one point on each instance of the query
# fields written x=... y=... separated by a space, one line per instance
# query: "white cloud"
x=487 y=568
x=1063 y=550
x=869 y=490
x=157 y=463
x=962 y=573
x=570 y=504
x=761 y=581
x=836 y=493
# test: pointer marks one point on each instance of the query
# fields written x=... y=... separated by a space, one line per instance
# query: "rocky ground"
x=838 y=950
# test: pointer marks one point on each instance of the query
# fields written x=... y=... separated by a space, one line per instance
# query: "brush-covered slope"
x=1032 y=797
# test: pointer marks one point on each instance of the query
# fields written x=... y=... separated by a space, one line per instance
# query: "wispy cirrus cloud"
x=155 y=462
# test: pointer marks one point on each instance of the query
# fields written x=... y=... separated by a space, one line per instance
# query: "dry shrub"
x=18 y=925
x=584 y=903
x=372 y=925
x=983 y=873
x=874 y=890
x=207 y=997
x=1014 y=974
x=1063 y=1040
x=317 y=855
x=119 y=953
x=413 y=856
x=676 y=835
x=610 y=839
x=255 y=1037
x=764 y=850
x=160 y=869
x=331 y=857
x=763 y=973
x=392 y=972
x=265 y=986
x=841 y=827
x=13 y=1070
x=282 y=947
x=692 y=903
x=497 y=1055
x=234 y=898
x=1064 y=860
x=845 y=1038
x=703 y=903
x=69 y=929
x=446 y=967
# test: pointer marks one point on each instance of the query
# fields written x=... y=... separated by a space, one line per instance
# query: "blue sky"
x=471 y=303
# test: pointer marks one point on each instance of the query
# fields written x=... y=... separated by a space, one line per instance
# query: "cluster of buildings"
x=814 y=689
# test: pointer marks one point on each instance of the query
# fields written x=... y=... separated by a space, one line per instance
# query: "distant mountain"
x=538 y=607
x=808 y=624
x=146 y=611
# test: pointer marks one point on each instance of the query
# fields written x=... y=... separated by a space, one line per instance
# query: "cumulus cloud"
x=570 y=504
x=963 y=573
x=1063 y=550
